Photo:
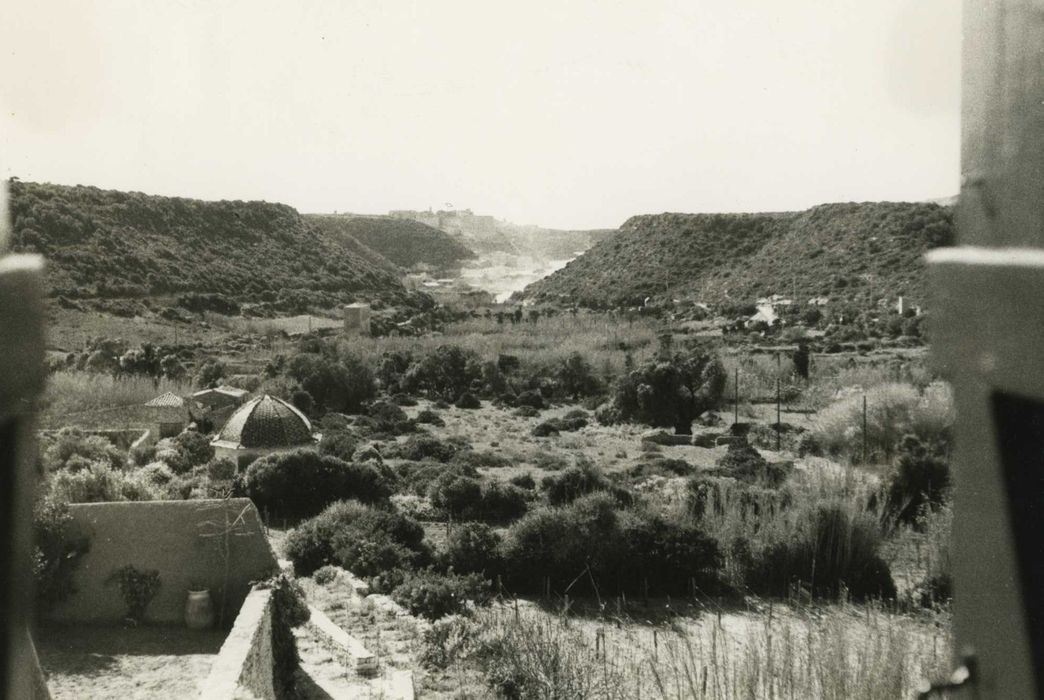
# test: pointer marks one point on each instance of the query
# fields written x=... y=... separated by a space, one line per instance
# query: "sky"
x=563 y=113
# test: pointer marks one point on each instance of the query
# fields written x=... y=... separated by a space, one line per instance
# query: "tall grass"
x=841 y=652
x=74 y=397
x=892 y=411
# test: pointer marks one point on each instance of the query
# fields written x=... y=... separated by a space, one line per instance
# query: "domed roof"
x=266 y=422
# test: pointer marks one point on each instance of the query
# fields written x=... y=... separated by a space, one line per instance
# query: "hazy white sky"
x=569 y=113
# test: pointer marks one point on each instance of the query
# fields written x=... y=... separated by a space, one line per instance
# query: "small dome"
x=267 y=422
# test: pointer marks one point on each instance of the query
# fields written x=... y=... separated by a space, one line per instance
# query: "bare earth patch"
x=126 y=662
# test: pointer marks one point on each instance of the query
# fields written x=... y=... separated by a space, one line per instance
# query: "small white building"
x=357 y=319
x=261 y=427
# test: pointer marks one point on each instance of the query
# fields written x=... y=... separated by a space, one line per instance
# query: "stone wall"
x=244 y=666
x=180 y=539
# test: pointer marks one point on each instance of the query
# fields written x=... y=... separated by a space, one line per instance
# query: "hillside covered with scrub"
x=847 y=252
x=402 y=241
x=105 y=244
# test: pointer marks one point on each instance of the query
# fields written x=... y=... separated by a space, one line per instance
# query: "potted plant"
x=137 y=588
x=199 y=607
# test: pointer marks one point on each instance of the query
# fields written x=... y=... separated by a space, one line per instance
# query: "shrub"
x=422 y=447
x=671 y=392
x=156 y=473
x=455 y=494
x=527 y=412
x=468 y=401
x=99 y=482
x=434 y=595
x=73 y=442
x=391 y=367
x=500 y=503
x=222 y=469
x=743 y=462
x=448 y=640
x=531 y=399
x=576 y=378
x=388 y=417
x=303 y=482
x=832 y=548
x=343 y=384
x=340 y=444
x=137 y=588
x=548 y=428
x=56 y=550
x=210 y=374
x=447 y=372
x=314 y=542
x=572 y=483
x=473 y=548
x=403 y=400
x=893 y=410
x=194 y=447
x=523 y=481
x=429 y=417
x=920 y=480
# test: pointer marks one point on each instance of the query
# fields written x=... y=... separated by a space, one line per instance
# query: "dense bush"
x=429 y=417
x=831 y=549
x=447 y=372
x=920 y=480
x=468 y=401
x=56 y=551
x=434 y=595
x=572 y=483
x=621 y=550
x=357 y=537
x=73 y=442
x=340 y=444
x=671 y=392
x=473 y=548
x=576 y=379
x=342 y=383
x=303 y=482
x=98 y=482
x=424 y=447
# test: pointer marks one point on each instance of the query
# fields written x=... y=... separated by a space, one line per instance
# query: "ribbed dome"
x=267 y=422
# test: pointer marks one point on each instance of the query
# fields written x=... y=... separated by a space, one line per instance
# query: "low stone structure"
x=167 y=415
x=182 y=540
x=244 y=667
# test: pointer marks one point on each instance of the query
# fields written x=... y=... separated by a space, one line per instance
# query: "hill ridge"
x=843 y=250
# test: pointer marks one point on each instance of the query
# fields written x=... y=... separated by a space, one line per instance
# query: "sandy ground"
x=126 y=662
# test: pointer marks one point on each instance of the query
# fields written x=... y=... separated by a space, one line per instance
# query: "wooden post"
x=22 y=316
x=779 y=400
x=735 y=398
x=987 y=328
x=864 y=429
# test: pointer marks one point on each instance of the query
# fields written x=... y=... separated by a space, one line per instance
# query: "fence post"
x=779 y=398
x=864 y=430
x=735 y=398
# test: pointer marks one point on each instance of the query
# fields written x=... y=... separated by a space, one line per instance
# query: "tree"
x=335 y=385
x=672 y=391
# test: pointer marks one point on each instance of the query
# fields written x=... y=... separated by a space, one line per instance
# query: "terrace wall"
x=244 y=667
x=181 y=540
